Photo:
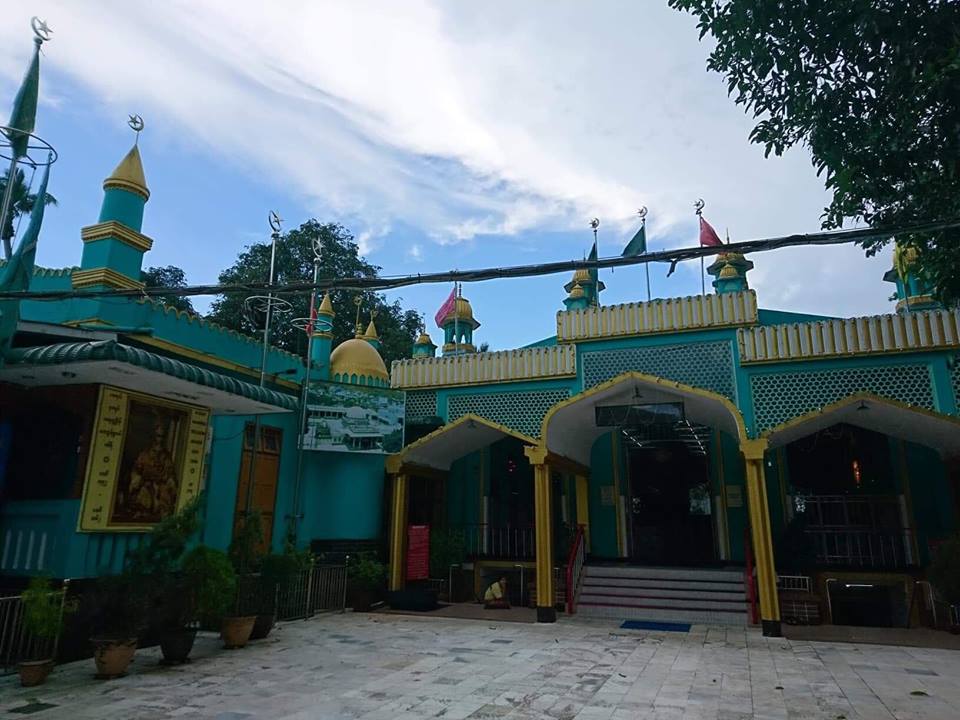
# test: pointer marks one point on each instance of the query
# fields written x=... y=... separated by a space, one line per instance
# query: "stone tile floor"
x=392 y=667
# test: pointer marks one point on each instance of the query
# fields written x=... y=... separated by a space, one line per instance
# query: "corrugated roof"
x=111 y=350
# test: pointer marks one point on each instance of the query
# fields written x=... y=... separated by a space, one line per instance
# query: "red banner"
x=418 y=552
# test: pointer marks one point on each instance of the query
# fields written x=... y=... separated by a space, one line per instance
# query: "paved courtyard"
x=391 y=667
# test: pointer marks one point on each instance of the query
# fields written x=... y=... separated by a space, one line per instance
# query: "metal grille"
x=420 y=404
x=780 y=397
x=319 y=588
x=703 y=365
x=520 y=411
x=16 y=643
x=955 y=381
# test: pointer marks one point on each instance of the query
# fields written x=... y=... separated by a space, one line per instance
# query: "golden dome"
x=577 y=292
x=424 y=339
x=357 y=357
x=582 y=275
x=729 y=272
x=128 y=175
x=462 y=312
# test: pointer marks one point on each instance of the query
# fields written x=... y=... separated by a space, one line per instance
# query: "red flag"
x=313 y=314
x=708 y=236
x=447 y=306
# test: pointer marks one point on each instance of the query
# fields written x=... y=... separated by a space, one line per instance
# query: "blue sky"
x=445 y=135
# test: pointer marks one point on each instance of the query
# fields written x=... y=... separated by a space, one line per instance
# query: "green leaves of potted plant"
x=214 y=582
x=43 y=614
x=246 y=555
x=366 y=577
x=120 y=610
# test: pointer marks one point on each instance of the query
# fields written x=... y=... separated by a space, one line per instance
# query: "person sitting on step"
x=495 y=598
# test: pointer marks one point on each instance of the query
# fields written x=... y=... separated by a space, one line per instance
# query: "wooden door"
x=266 y=472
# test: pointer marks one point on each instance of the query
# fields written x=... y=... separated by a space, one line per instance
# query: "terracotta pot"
x=113 y=656
x=176 y=645
x=262 y=627
x=235 y=631
x=34 y=672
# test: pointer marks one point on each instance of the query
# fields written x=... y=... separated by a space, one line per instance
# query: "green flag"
x=24 y=115
x=594 y=274
x=15 y=275
x=637 y=244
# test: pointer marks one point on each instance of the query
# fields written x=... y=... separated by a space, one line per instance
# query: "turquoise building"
x=697 y=457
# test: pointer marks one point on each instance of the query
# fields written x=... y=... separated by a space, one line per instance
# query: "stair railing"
x=575 y=564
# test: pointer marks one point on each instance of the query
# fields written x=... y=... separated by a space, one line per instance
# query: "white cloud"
x=415 y=252
x=458 y=119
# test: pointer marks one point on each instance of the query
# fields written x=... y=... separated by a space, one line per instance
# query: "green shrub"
x=366 y=572
x=246 y=548
x=944 y=571
x=44 y=611
x=212 y=579
x=447 y=547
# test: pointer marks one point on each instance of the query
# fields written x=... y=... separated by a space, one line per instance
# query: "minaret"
x=458 y=326
x=113 y=248
x=424 y=346
x=322 y=339
x=729 y=272
x=577 y=299
x=587 y=285
x=371 y=335
x=914 y=291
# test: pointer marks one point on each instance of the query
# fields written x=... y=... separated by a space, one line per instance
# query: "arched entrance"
x=639 y=402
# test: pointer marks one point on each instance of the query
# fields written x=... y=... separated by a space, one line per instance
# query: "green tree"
x=169 y=276
x=398 y=328
x=872 y=88
x=21 y=203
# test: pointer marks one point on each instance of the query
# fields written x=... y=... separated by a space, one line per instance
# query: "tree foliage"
x=168 y=276
x=21 y=203
x=872 y=88
x=397 y=327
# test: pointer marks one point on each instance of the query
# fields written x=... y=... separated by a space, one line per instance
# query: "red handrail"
x=575 y=554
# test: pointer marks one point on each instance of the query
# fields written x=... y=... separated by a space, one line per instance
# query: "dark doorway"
x=669 y=512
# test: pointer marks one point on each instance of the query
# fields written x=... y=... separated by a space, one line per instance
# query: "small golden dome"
x=424 y=339
x=371 y=333
x=905 y=259
x=462 y=312
x=729 y=272
x=128 y=175
x=582 y=275
x=577 y=292
x=357 y=357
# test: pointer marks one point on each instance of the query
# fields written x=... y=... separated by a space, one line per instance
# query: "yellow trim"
x=211 y=359
x=90 y=321
x=760 y=529
x=543 y=534
x=103 y=276
x=114 y=230
x=668 y=385
x=397 y=462
x=649 y=333
x=852 y=400
x=502 y=381
x=398 y=525
x=908 y=303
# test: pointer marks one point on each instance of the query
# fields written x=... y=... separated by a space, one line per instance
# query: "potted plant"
x=246 y=555
x=366 y=576
x=170 y=599
x=117 y=622
x=214 y=583
x=276 y=573
x=944 y=574
x=43 y=613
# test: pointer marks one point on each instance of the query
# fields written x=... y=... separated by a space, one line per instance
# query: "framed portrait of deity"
x=145 y=461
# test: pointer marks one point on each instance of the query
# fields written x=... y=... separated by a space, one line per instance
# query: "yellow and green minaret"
x=322 y=340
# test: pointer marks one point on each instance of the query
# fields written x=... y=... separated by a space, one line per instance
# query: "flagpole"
x=595 y=223
x=703 y=274
x=642 y=212
x=456 y=318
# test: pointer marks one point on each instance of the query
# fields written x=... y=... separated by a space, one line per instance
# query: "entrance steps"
x=693 y=595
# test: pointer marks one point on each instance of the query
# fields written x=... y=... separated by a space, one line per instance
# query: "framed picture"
x=145 y=461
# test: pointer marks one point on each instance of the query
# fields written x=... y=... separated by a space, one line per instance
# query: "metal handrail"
x=575 y=563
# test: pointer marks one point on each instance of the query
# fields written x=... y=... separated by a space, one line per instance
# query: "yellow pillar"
x=760 y=532
x=543 y=533
x=583 y=507
x=398 y=531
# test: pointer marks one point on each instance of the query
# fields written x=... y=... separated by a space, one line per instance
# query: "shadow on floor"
x=903 y=637
x=473 y=611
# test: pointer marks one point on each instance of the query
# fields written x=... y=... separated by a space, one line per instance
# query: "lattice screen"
x=703 y=365
x=955 y=381
x=420 y=404
x=521 y=411
x=780 y=397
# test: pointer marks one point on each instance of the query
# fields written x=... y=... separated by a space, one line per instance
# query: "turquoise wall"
x=342 y=497
x=603 y=518
x=463 y=487
x=123 y=206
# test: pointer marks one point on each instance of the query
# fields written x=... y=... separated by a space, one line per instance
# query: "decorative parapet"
x=907 y=332
x=696 y=312
x=537 y=363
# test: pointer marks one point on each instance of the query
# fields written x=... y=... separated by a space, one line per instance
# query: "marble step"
x=681 y=593
x=663 y=573
x=696 y=617
x=676 y=585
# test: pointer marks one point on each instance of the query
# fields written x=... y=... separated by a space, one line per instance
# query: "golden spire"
x=326 y=307
x=371 y=333
x=128 y=175
x=358 y=328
